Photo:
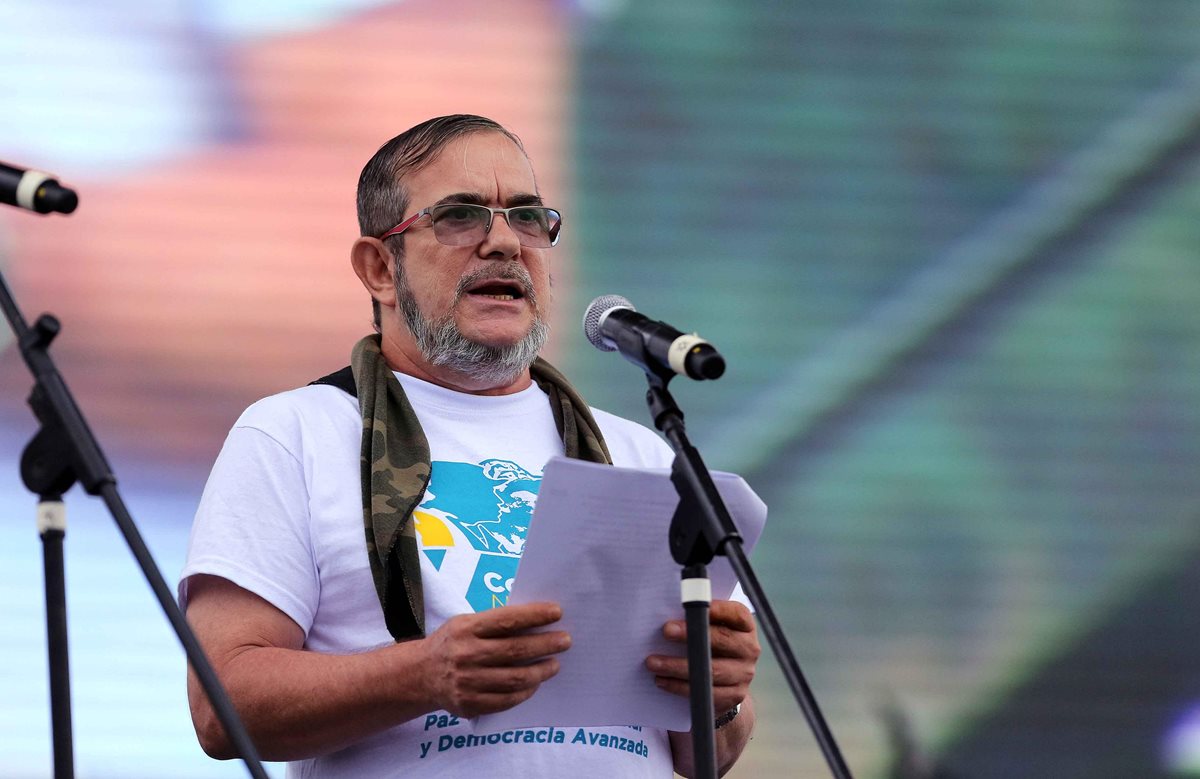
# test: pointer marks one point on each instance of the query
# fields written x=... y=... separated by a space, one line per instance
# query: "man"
x=358 y=659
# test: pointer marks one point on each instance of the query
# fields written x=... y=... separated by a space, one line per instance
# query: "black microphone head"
x=52 y=196
x=708 y=363
x=594 y=317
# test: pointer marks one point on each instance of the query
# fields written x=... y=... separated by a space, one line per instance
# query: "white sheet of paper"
x=597 y=544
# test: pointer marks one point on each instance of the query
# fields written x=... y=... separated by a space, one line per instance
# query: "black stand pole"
x=63 y=451
x=52 y=527
x=700 y=529
x=696 y=589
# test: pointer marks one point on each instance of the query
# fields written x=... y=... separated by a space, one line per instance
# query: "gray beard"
x=443 y=345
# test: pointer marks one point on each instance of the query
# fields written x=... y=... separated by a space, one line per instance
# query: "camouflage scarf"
x=395 y=468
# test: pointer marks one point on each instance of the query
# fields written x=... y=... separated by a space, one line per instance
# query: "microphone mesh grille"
x=595 y=314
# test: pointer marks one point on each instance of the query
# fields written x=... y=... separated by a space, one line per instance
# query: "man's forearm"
x=298 y=704
x=730 y=741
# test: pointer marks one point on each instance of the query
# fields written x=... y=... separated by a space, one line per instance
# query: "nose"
x=501 y=242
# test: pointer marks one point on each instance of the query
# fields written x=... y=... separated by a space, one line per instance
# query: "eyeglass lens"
x=459 y=224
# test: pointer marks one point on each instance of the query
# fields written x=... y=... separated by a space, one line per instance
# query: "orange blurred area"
x=191 y=289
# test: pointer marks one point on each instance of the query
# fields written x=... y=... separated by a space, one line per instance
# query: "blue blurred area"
x=99 y=88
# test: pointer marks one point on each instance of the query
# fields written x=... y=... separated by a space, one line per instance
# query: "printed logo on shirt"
x=490 y=504
x=492 y=581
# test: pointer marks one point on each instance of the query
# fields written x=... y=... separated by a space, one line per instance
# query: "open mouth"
x=498 y=290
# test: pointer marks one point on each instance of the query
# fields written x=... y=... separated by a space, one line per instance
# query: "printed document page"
x=597 y=544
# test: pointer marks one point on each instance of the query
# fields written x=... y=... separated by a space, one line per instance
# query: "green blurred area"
x=1005 y=483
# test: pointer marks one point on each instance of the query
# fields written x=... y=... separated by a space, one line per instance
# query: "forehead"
x=485 y=163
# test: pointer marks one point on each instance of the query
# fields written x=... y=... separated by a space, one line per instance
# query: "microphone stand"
x=63 y=451
x=701 y=528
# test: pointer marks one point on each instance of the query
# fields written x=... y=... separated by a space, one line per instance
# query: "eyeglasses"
x=462 y=224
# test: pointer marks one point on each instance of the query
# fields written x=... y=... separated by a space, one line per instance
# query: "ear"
x=373 y=263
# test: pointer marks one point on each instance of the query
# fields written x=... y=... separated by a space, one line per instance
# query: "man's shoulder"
x=314 y=404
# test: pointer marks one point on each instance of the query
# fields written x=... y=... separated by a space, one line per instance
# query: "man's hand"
x=735 y=652
x=490 y=661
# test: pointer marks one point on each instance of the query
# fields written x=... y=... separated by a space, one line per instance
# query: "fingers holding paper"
x=735 y=653
x=493 y=660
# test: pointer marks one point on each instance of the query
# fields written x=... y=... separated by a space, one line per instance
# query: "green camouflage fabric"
x=395 y=468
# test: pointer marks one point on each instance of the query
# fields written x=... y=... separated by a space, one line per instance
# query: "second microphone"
x=612 y=324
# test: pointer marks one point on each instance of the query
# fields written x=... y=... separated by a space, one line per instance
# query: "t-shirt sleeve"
x=252 y=525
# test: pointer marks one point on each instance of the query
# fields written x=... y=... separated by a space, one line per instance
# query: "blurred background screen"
x=950 y=251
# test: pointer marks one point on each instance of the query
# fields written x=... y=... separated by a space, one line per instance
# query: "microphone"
x=612 y=324
x=35 y=191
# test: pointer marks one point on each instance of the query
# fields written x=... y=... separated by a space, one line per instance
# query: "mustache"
x=510 y=271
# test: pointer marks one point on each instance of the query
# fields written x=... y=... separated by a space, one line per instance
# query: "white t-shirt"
x=281 y=516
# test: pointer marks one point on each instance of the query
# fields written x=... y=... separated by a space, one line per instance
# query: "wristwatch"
x=727 y=717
